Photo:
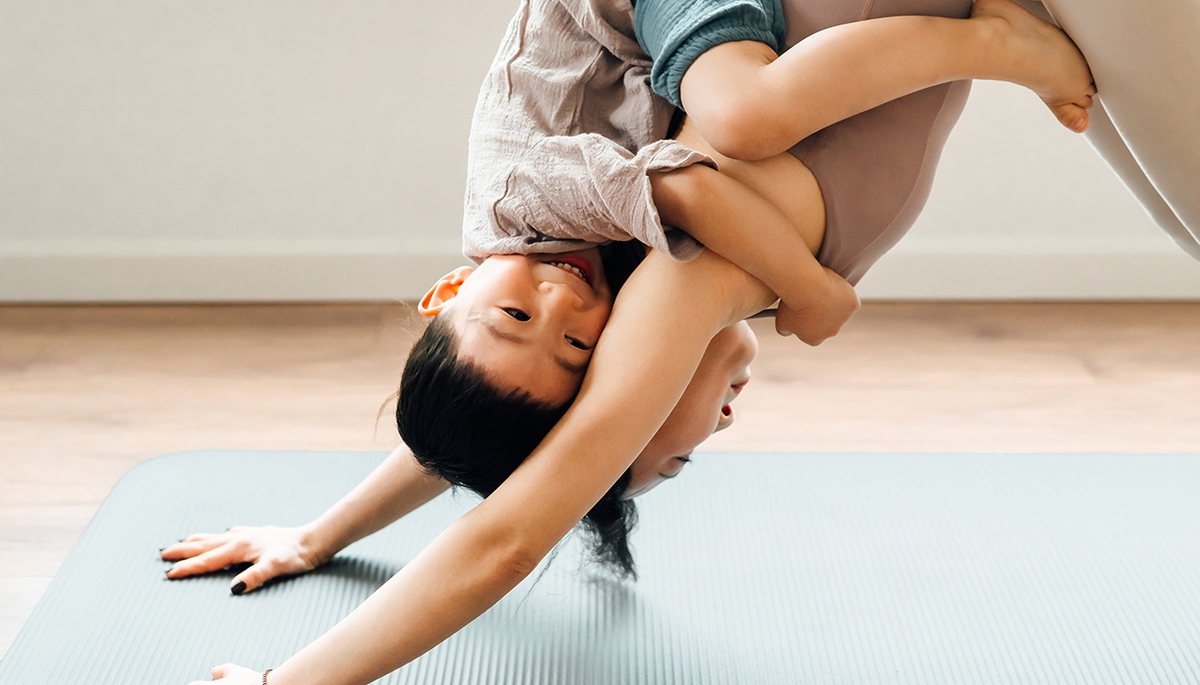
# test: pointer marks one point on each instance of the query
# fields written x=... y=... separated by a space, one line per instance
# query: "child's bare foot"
x=1044 y=60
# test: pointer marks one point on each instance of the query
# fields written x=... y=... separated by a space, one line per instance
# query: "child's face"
x=530 y=321
x=703 y=410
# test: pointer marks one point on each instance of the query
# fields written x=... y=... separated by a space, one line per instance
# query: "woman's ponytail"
x=608 y=524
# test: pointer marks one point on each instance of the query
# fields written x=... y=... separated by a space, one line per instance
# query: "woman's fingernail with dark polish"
x=238 y=588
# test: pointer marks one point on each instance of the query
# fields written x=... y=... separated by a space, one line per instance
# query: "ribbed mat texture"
x=759 y=569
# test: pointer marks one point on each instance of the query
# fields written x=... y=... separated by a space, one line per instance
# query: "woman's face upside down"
x=705 y=408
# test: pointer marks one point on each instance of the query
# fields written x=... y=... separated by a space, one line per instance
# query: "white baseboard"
x=1122 y=275
x=275 y=277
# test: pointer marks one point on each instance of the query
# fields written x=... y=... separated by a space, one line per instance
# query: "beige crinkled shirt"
x=564 y=133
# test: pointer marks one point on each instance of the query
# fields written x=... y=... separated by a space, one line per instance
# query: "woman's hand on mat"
x=273 y=551
x=822 y=315
x=232 y=674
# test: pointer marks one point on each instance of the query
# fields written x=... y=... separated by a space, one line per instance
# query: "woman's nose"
x=725 y=420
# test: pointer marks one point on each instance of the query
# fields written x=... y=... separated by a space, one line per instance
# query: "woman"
x=488 y=551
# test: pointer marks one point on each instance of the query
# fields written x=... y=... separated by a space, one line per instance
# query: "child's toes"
x=1072 y=116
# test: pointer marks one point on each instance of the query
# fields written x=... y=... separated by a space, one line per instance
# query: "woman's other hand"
x=273 y=551
x=823 y=316
x=232 y=674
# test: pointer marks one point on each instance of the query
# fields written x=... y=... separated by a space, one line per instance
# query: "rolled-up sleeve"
x=586 y=187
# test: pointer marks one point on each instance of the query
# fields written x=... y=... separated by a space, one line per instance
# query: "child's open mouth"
x=574 y=265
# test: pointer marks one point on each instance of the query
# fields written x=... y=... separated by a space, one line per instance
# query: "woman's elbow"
x=491 y=550
x=515 y=561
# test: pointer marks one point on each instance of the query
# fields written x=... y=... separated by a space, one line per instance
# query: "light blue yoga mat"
x=758 y=569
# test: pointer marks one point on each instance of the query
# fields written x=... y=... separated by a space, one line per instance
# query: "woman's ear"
x=443 y=291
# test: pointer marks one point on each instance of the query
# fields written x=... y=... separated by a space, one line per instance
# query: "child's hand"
x=823 y=315
x=272 y=551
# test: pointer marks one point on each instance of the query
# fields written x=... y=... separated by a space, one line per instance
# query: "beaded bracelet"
x=264 y=682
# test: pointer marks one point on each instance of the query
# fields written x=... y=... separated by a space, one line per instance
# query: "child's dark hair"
x=461 y=427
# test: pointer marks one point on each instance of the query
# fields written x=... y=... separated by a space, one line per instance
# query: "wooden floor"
x=87 y=392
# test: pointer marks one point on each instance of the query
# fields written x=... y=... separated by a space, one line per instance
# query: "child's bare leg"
x=750 y=104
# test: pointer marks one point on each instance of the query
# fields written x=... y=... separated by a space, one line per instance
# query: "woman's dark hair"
x=461 y=427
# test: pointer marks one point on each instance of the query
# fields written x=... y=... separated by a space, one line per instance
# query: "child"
x=568 y=149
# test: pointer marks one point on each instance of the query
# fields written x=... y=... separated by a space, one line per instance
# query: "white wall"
x=286 y=149
x=300 y=150
x=1024 y=209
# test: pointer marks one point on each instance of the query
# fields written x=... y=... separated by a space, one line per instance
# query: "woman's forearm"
x=463 y=572
x=395 y=488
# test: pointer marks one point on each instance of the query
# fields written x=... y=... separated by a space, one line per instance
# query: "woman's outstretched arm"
x=660 y=327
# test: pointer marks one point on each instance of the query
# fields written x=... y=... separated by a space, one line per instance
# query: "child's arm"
x=396 y=487
x=743 y=227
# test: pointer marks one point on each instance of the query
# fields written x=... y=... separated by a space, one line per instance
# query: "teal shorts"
x=675 y=32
